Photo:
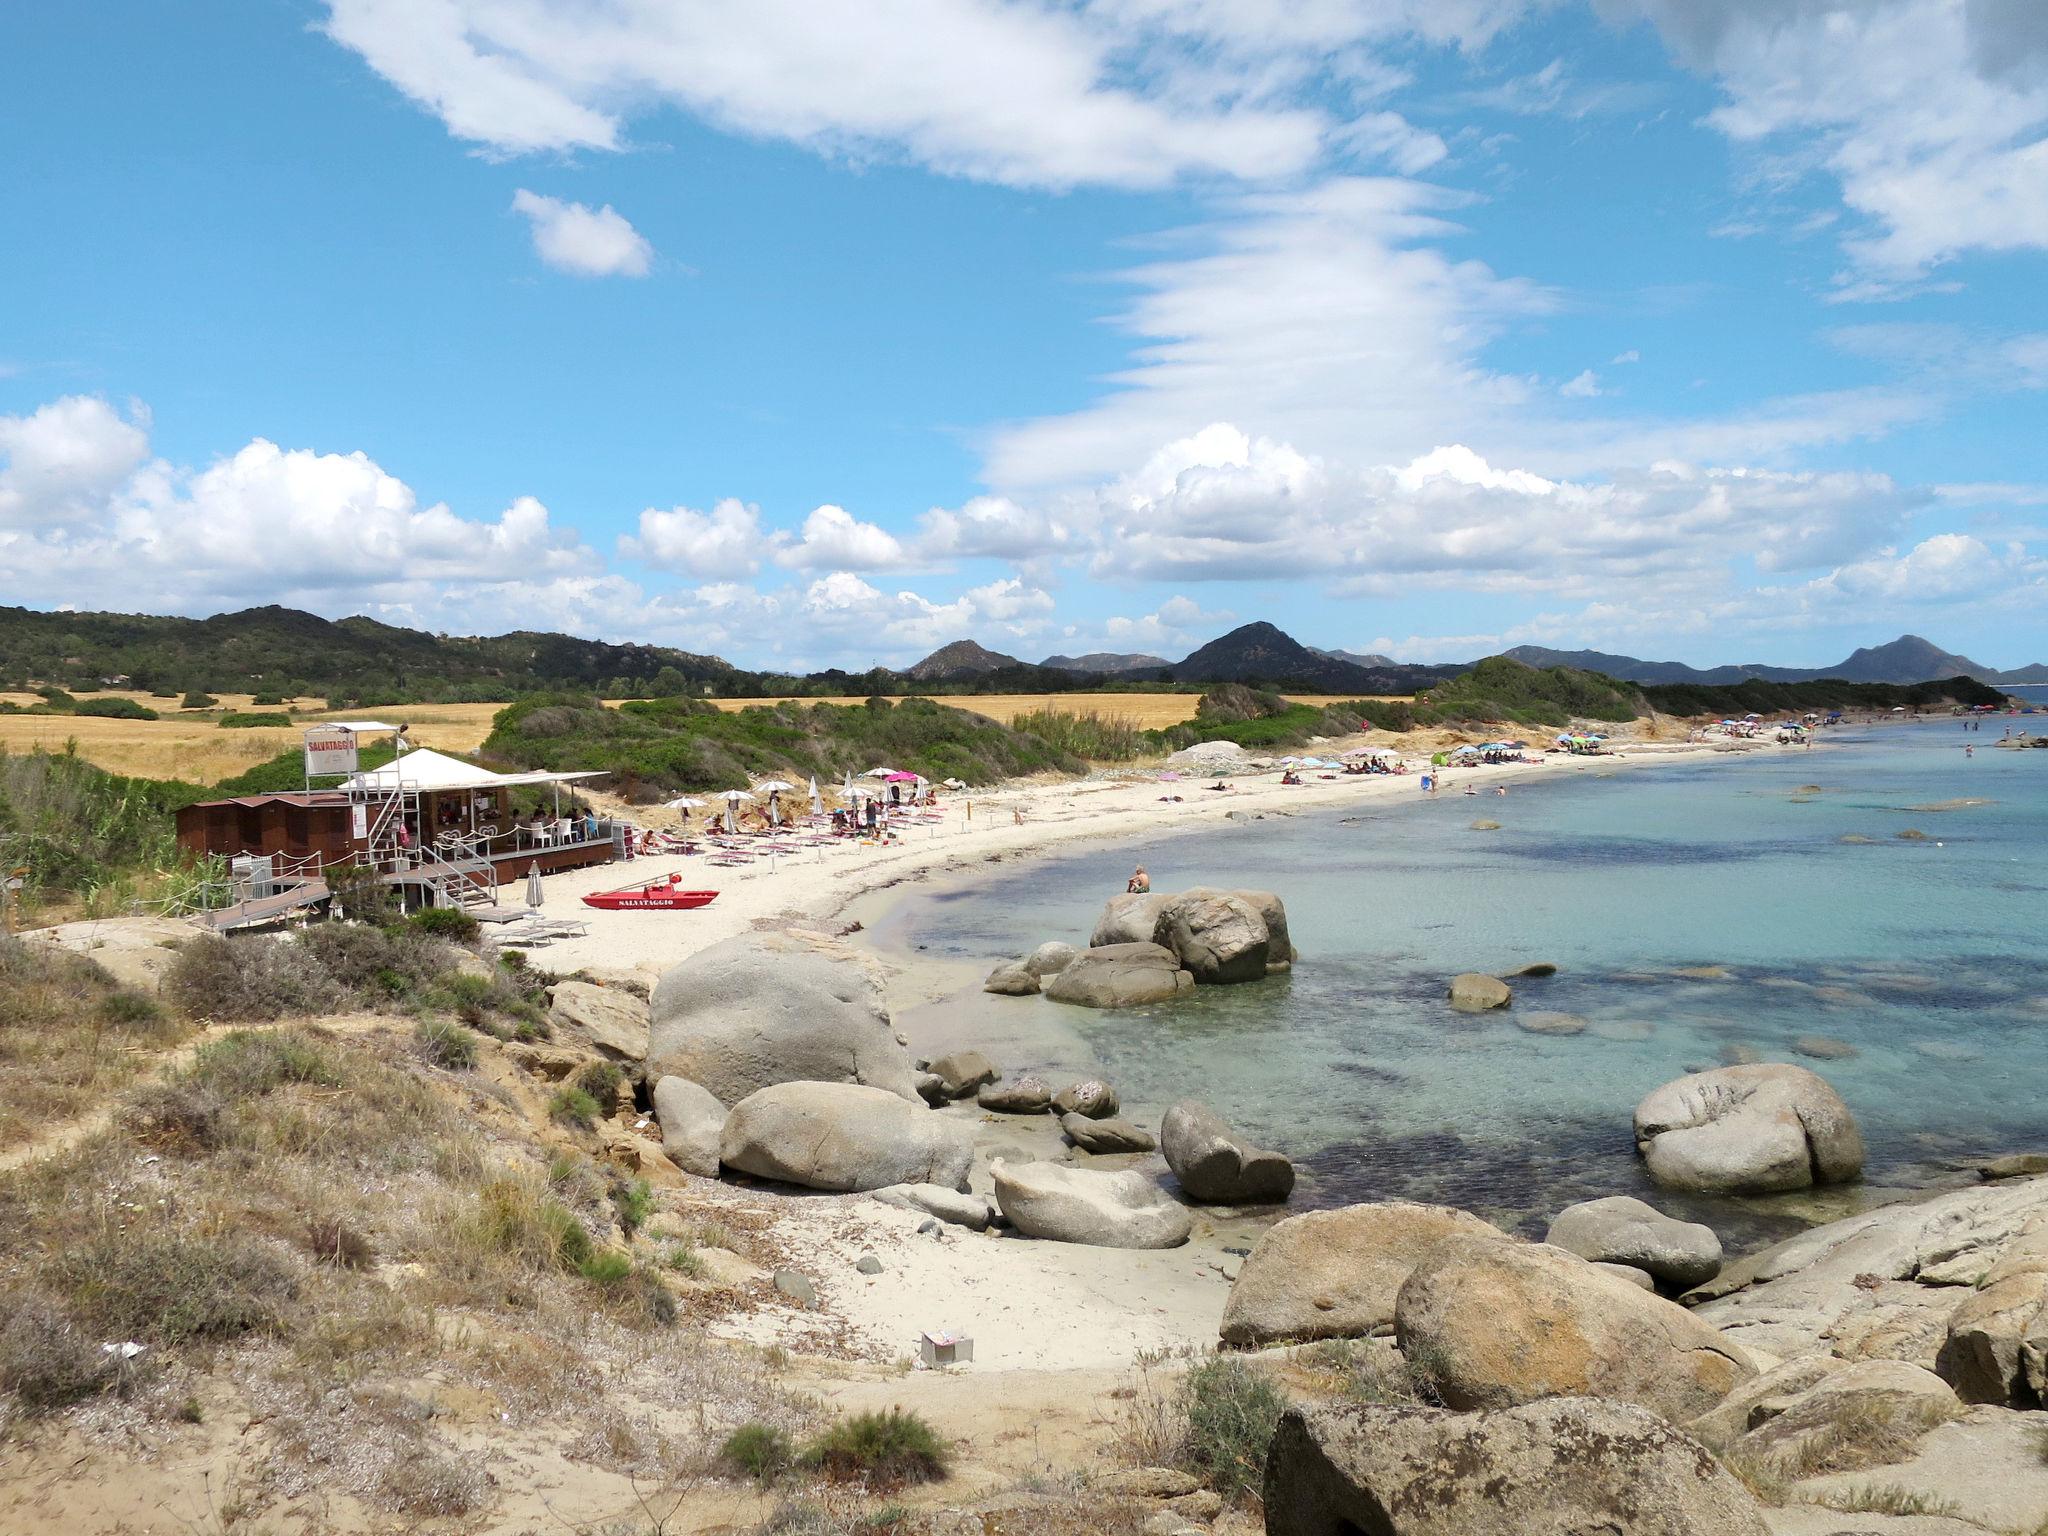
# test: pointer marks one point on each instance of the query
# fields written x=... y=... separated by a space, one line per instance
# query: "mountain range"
x=1908 y=659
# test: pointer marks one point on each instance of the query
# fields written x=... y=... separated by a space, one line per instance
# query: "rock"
x=1120 y=976
x=1760 y=1399
x=1106 y=1136
x=136 y=951
x=1012 y=979
x=1026 y=1096
x=1740 y=1055
x=1335 y=1274
x=1272 y=912
x=1214 y=1165
x=1127 y=919
x=1565 y=1467
x=1901 y=1398
x=1049 y=958
x=1630 y=1030
x=1202 y=1505
x=1748 y=1129
x=1550 y=1023
x=948 y=1205
x=961 y=1072
x=929 y=1228
x=1219 y=756
x=1494 y=1324
x=1217 y=937
x=1474 y=993
x=775 y=1007
x=1078 y=1205
x=1641 y=1279
x=692 y=1121
x=843 y=1136
x=1534 y=968
x=1622 y=1230
x=1091 y=1098
x=2014 y=1165
x=612 y=1020
x=1824 y=1047
x=796 y=1287
x=1163 y=1522
x=1147 y=1483
x=931 y=1088
x=1985 y=1354
x=869 y=1264
x=1483 y=825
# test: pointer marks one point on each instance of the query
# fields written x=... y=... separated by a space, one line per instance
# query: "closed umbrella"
x=817 y=800
x=535 y=896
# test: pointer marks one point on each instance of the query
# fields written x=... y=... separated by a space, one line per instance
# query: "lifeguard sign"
x=330 y=749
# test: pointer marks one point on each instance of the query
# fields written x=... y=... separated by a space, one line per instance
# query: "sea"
x=1881 y=896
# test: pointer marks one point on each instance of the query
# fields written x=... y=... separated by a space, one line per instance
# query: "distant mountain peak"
x=963 y=658
x=1109 y=663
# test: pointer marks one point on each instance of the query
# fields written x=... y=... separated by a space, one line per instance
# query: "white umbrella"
x=772 y=786
x=682 y=803
x=817 y=800
x=535 y=896
x=878 y=773
x=731 y=796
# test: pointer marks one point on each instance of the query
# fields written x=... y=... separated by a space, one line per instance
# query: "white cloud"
x=850 y=616
x=590 y=242
x=1582 y=386
x=833 y=538
x=1930 y=115
x=995 y=527
x=1630 y=356
x=65 y=458
x=726 y=541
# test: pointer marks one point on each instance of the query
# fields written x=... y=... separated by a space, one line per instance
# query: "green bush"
x=262 y=699
x=572 y=1106
x=197 y=700
x=759 y=1451
x=884 y=1450
x=602 y=1081
x=1232 y=1410
x=172 y=1287
x=248 y=722
x=115 y=709
x=76 y=828
x=608 y=1266
x=250 y=979
x=633 y=1200
x=250 y=1063
x=445 y=1044
x=357 y=956
x=515 y=1217
x=1096 y=737
x=450 y=923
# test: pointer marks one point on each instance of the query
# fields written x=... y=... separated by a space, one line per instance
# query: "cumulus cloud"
x=589 y=242
x=1582 y=386
x=726 y=541
x=833 y=538
x=64 y=459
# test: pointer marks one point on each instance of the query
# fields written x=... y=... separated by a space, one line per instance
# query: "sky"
x=812 y=335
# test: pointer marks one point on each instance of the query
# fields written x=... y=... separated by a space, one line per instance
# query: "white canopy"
x=358 y=726
x=431 y=771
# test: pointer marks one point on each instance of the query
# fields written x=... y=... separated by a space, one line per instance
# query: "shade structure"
x=734 y=796
x=535 y=894
x=878 y=773
x=900 y=777
x=772 y=786
x=428 y=770
x=683 y=803
x=817 y=800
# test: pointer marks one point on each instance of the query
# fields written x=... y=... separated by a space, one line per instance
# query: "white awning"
x=361 y=727
x=431 y=771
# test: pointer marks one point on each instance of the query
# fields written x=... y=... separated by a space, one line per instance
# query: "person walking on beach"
x=1140 y=883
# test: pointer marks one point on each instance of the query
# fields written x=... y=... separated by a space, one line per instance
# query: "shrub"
x=886 y=1450
x=250 y=1063
x=633 y=1199
x=45 y=1362
x=514 y=1218
x=332 y=1240
x=245 y=721
x=171 y=1287
x=445 y=1045
x=115 y=709
x=608 y=1266
x=359 y=890
x=198 y=700
x=572 y=1106
x=451 y=923
x=357 y=956
x=1232 y=1411
x=759 y=1451
x=249 y=979
x=602 y=1081
x=262 y=699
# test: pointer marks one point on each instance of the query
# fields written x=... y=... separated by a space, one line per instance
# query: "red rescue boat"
x=655 y=896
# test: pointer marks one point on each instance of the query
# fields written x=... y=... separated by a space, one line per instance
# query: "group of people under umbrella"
x=896 y=787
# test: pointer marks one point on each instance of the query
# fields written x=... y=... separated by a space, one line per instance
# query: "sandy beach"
x=1029 y=1306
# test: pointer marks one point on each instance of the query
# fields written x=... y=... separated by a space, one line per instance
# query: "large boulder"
x=948 y=1205
x=611 y=1020
x=1217 y=936
x=1025 y=1096
x=1214 y=1165
x=775 y=1007
x=1120 y=976
x=1051 y=956
x=1273 y=913
x=843 y=1136
x=1129 y=919
x=692 y=1124
x=1079 y=1205
x=1748 y=1129
x=1493 y=1324
x=961 y=1072
x=1997 y=1338
x=1623 y=1230
x=1011 y=979
x=1565 y=1467
x=1334 y=1274
x=1474 y=993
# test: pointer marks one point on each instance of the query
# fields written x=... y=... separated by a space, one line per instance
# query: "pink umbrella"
x=902 y=778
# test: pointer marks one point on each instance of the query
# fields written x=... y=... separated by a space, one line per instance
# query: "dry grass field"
x=194 y=748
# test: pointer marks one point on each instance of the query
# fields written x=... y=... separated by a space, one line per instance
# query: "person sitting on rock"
x=1140 y=883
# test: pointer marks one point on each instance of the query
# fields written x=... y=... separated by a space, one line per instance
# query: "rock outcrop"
x=1214 y=1165
x=1106 y=1136
x=1049 y=958
x=960 y=1073
x=1494 y=1324
x=1335 y=1274
x=1623 y=1230
x=1474 y=993
x=692 y=1124
x=1217 y=937
x=843 y=1136
x=1129 y=919
x=1025 y=1096
x=770 y=1008
x=1013 y=978
x=1078 y=1205
x=1120 y=976
x=1565 y=1467
x=611 y=1020
x=948 y=1205
x=1748 y=1129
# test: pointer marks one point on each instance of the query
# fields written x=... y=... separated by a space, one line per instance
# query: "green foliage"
x=166 y=1286
x=1231 y=1409
x=608 y=1266
x=197 y=700
x=287 y=771
x=1501 y=690
x=601 y=1080
x=262 y=699
x=515 y=1218
x=250 y=1063
x=633 y=1200
x=683 y=743
x=1098 y=738
x=77 y=829
x=445 y=1044
x=451 y=923
x=360 y=892
x=1732 y=701
x=247 y=721
x=759 y=1451
x=249 y=980
x=572 y=1106
x=884 y=1450
x=115 y=709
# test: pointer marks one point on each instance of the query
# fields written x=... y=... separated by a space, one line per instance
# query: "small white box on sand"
x=944 y=1348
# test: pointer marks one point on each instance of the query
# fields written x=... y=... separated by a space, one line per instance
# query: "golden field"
x=194 y=748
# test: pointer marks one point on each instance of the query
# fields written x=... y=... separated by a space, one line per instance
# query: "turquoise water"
x=1921 y=954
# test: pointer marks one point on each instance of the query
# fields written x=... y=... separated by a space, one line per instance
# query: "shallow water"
x=1921 y=954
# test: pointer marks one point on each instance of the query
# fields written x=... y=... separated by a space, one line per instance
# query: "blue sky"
x=814 y=335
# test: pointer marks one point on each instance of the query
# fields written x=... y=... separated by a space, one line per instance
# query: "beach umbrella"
x=879 y=773
x=817 y=800
x=682 y=803
x=772 y=786
x=535 y=896
x=1169 y=777
x=897 y=776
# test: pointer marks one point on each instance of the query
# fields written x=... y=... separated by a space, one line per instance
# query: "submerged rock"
x=1120 y=976
x=1026 y=1096
x=1748 y=1130
x=1623 y=1230
x=842 y=1136
x=1565 y=1467
x=1474 y=993
x=1550 y=1023
x=1214 y=1165
x=1824 y=1048
x=1335 y=1274
x=1077 y=1205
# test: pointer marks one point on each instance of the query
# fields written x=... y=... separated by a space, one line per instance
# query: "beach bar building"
x=440 y=830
